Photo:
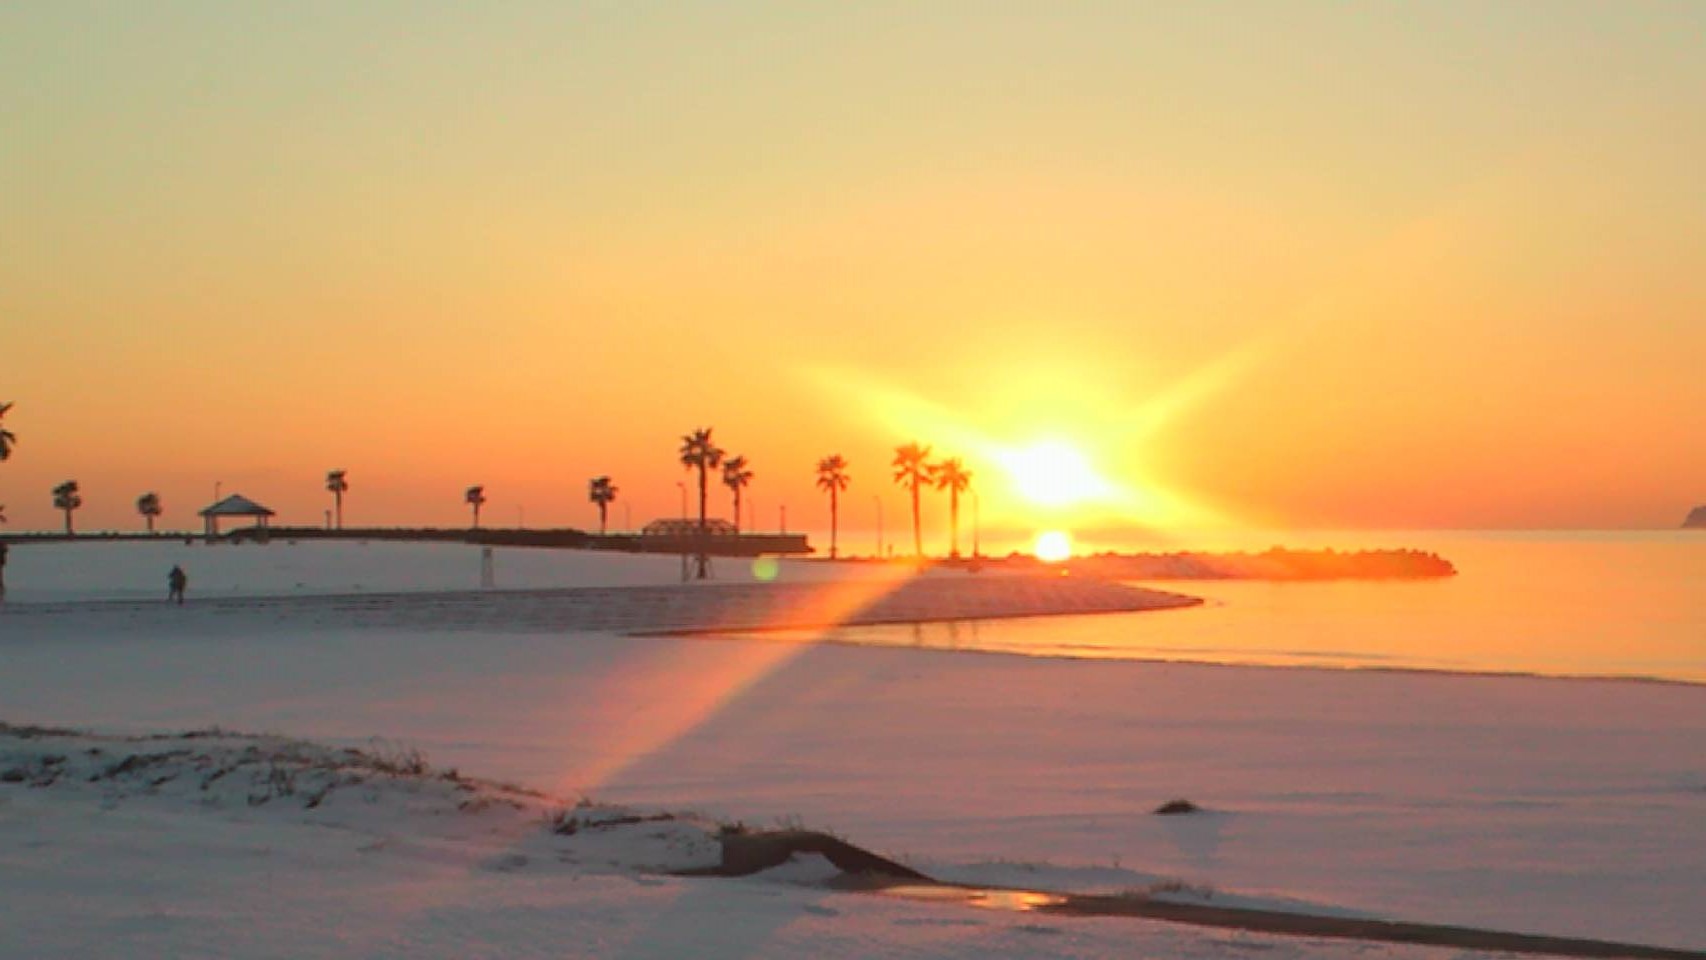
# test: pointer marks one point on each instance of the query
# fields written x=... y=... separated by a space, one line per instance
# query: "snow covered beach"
x=1561 y=807
x=394 y=804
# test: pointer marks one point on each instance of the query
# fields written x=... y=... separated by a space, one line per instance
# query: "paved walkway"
x=685 y=608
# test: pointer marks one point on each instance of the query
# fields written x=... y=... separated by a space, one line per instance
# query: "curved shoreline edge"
x=721 y=610
x=665 y=610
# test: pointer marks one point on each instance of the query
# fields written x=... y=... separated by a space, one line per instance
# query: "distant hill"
x=1696 y=519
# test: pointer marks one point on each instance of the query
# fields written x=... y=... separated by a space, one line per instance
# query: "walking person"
x=3 y=549
x=176 y=581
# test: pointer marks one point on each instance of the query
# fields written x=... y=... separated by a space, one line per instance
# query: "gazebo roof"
x=236 y=505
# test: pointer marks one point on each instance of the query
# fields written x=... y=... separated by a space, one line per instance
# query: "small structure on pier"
x=236 y=505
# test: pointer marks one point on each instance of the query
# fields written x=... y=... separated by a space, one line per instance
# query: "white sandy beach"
x=1546 y=806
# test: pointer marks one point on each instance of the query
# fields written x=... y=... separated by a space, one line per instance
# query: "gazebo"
x=236 y=505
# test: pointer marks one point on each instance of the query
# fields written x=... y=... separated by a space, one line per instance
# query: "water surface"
x=1623 y=604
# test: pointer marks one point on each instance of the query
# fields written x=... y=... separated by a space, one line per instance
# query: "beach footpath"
x=670 y=609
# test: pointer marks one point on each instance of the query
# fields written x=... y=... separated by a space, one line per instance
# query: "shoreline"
x=758 y=612
x=770 y=636
x=1323 y=793
x=679 y=609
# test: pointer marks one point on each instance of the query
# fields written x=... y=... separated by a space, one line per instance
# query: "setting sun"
x=1053 y=546
x=956 y=432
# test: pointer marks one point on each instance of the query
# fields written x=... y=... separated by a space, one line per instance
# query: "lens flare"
x=765 y=569
x=1054 y=474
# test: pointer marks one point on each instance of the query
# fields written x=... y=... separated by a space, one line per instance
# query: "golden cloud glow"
x=1052 y=473
x=1042 y=454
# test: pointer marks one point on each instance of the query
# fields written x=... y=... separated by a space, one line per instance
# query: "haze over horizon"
x=1255 y=264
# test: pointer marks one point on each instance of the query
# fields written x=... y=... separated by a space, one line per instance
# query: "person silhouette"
x=176 y=581
x=3 y=549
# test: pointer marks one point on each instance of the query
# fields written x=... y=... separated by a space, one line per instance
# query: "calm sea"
x=1561 y=603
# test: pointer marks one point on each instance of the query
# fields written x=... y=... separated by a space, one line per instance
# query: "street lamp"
x=679 y=485
x=975 y=524
x=879 y=502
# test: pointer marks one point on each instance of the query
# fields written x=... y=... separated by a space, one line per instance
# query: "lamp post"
x=679 y=485
x=879 y=502
x=976 y=522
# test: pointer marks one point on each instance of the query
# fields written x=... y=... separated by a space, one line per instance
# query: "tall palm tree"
x=602 y=492
x=736 y=476
x=832 y=476
x=8 y=439
x=66 y=497
x=699 y=452
x=952 y=476
x=475 y=497
x=912 y=468
x=336 y=483
x=149 y=506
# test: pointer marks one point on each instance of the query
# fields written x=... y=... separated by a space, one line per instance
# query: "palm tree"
x=952 y=476
x=336 y=483
x=912 y=468
x=149 y=506
x=602 y=492
x=66 y=497
x=8 y=440
x=736 y=476
x=475 y=497
x=832 y=476
x=698 y=452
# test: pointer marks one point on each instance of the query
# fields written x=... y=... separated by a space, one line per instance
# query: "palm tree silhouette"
x=912 y=467
x=952 y=476
x=699 y=452
x=8 y=439
x=832 y=476
x=736 y=476
x=336 y=483
x=602 y=492
x=475 y=497
x=66 y=497
x=149 y=506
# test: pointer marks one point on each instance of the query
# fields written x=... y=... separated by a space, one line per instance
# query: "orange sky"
x=1286 y=264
